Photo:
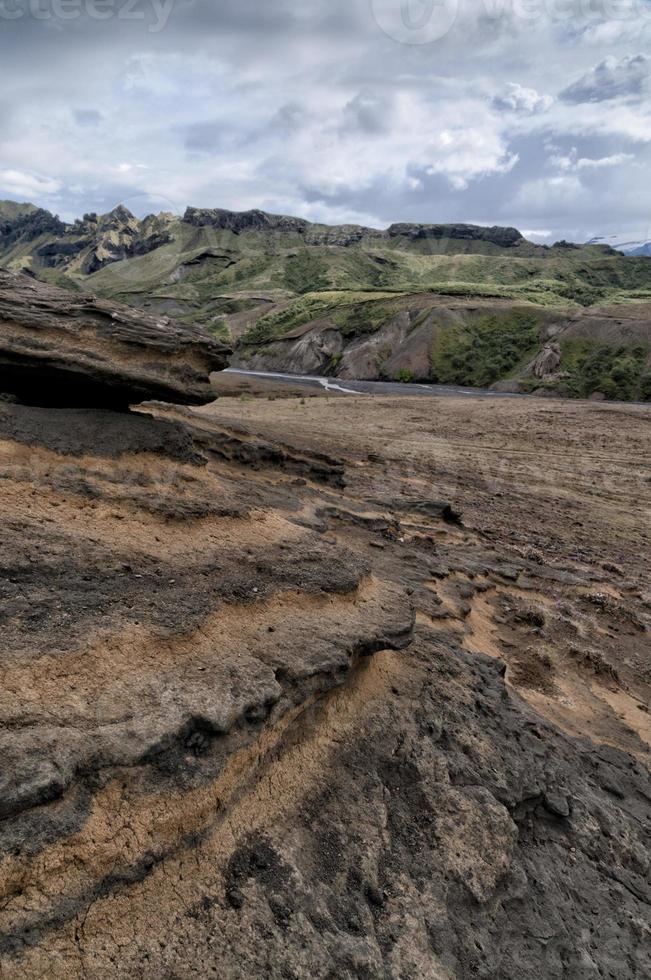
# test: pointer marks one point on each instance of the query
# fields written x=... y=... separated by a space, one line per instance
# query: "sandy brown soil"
x=269 y=709
x=561 y=488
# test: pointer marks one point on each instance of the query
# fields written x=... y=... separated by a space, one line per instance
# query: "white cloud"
x=611 y=79
x=310 y=108
x=517 y=98
x=572 y=162
x=24 y=184
x=417 y=135
x=616 y=160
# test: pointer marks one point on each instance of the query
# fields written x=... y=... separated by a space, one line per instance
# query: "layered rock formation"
x=58 y=348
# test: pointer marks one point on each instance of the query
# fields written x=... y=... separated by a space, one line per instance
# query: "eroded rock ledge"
x=63 y=349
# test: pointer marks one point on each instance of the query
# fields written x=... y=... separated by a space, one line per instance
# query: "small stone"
x=557 y=804
x=235 y=898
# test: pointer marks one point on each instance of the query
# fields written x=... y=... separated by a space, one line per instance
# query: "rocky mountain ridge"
x=319 y=234
x=457 y=304
x=94 y=241
x=86 y=245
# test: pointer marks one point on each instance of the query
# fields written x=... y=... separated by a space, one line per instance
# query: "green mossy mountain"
x=459 y=304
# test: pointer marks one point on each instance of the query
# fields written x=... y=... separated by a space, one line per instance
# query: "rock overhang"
x=74 y=350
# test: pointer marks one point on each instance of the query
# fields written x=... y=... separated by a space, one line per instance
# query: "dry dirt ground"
x=330 y=688
x=565 y=486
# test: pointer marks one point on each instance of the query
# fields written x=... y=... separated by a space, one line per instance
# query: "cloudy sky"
x=535 y=113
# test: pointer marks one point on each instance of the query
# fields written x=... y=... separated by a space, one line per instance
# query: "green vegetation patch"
x=219 y=329
x=619 y=372
x=485 y=349
x=351 y=313
x=363 y=318
x=279 y=322
x=306 y=272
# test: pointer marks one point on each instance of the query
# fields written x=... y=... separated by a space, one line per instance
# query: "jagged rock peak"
x=121 y=213
x=24 y=223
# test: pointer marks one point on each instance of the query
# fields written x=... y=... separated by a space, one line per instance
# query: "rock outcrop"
x=547 y=361
x=23 y=224
x=67 y=349
x=502 y=237
x=260 y=221
x=99 y=240
x=32 y=238
x=239 y=221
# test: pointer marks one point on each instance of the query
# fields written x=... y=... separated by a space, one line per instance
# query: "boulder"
x=72 y=349
x=547 y=361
